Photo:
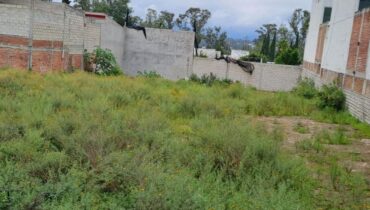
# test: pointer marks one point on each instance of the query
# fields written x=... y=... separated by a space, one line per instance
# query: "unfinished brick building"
x=45 y=36
x=40 y=36
x=337 y=49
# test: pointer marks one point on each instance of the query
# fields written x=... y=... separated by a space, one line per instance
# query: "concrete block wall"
x=205 y=66
x=17 y=25
x=164 y=51
x=273 y=77
x=268 y=77
x=91 y=35
x=113 y=38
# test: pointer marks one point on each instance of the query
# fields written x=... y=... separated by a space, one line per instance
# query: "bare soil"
x=359 y=148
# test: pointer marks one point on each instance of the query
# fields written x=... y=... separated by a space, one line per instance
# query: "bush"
x=289 y=56
x=209 y=80
x=254 y=57
x=306 y=88
x=102 y=62
x=330 y=96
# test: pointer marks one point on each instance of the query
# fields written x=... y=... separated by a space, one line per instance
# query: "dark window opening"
x=327 y=14
x=364 y=4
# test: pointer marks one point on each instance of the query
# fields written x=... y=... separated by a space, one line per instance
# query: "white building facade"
x=338 y=49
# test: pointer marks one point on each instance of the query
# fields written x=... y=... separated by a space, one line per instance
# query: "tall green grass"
x=81 y=141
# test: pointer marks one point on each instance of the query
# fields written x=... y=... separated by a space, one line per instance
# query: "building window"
x=364 y=4
x=327 y=14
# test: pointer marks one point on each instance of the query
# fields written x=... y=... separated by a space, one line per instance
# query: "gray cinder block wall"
x=166 y=52
x=268 y=77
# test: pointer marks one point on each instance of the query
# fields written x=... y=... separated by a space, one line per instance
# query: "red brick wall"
x=312 y=67
x=46 y=55
x=350 y=82
x=359 y=45
x=367 y=90
x=321 y=43
x=358 y=86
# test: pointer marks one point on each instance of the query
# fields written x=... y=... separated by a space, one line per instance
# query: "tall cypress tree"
x=266 y=44
x=273 y=48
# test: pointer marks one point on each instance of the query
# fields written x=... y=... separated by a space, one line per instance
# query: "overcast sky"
x=240 y=18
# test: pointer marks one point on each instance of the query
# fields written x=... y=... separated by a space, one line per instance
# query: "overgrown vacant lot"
x=79 y=141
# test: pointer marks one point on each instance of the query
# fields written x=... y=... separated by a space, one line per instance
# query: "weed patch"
x=89 y=142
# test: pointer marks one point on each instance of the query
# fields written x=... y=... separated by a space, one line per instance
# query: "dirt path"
x=359 y=147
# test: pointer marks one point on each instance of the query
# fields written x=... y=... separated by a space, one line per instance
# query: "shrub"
x=306 y=88
x=102 y=62
x=289 y=56
x=254 y=57
x=330 y=96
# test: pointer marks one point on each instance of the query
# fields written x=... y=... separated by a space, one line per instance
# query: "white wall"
x=338 y=37
x=317 y=14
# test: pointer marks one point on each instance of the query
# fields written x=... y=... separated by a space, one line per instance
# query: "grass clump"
x=306 y=88
x=301 y=128
x=209 y=80
x=85 y=142
x=337 y=137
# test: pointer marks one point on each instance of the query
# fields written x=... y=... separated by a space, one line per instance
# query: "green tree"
x=265 y=33
x=151 y=18
x=83 y=4
x=273 y=47
x=299 y=23
x=194 y=19
x=289 y=56
x=116 y=8
x=164 y=20
x=284 y=34
x=217 y=39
